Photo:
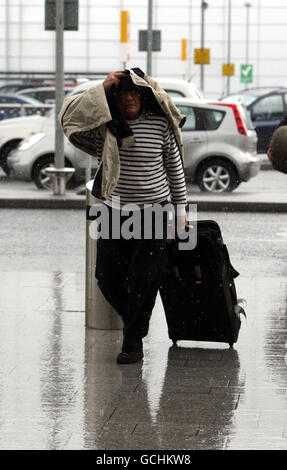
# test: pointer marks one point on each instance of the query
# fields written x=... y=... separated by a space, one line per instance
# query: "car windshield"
x=174 y=93
x=31 y=100
x=9 y=89
x=244 y=99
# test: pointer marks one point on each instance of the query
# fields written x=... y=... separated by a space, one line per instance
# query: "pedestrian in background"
x=277 y=149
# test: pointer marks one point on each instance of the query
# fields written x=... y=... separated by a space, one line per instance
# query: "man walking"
x=132 y=126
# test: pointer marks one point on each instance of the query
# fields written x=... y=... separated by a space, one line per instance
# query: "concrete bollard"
x=99 y=313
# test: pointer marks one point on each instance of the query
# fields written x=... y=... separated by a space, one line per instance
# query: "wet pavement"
x=60 y=386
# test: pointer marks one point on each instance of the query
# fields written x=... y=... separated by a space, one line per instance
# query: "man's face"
x=131 y=104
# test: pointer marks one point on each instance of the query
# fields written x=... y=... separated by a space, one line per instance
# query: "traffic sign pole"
x=184 y=56
x=204 y=5
x=149 y=39
x=59 y=137
x=60 y=15
x=247 y=5
x=125 y=38
x=229 y=45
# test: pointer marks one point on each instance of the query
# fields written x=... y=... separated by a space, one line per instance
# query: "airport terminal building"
x=236 y=33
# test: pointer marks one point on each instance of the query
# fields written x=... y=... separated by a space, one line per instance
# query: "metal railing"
x=11 y=110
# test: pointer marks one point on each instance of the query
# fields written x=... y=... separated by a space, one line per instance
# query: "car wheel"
x=217 y=175
x=6 y=149
x=43 y=181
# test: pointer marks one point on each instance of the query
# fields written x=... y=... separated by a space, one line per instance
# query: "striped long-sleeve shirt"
x=151 y=170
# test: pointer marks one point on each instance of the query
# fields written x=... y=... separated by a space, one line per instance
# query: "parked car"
x=177 y=88
x=44 y=94
x=14 y=111
x=37 y=152
x=219 y=145
x=15 y=87
x=266 y=105
x=14 y=130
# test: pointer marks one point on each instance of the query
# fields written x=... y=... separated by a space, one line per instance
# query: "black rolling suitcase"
x=198 y=290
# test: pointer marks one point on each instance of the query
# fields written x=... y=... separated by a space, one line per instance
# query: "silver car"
x=29 y=160
x=219 y=145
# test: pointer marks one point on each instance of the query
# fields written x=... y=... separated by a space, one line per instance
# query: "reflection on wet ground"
x=60 y=387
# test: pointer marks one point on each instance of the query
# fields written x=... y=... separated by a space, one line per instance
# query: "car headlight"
x=27 y=143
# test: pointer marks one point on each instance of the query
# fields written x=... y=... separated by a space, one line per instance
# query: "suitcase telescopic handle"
x=176 y=271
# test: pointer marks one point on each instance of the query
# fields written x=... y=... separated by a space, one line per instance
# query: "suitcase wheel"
x=174 y=340
x=231 y=345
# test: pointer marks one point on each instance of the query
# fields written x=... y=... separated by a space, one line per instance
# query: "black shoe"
x=129 y=357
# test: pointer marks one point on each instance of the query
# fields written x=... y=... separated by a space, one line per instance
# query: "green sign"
x=246 y=73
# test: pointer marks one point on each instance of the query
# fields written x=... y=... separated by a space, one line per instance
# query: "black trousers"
x=129 y=276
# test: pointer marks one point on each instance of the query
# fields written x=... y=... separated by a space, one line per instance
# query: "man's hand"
x=181 y=222
x=113 y=79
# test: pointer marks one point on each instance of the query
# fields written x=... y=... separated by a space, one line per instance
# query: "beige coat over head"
x=82 y=114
